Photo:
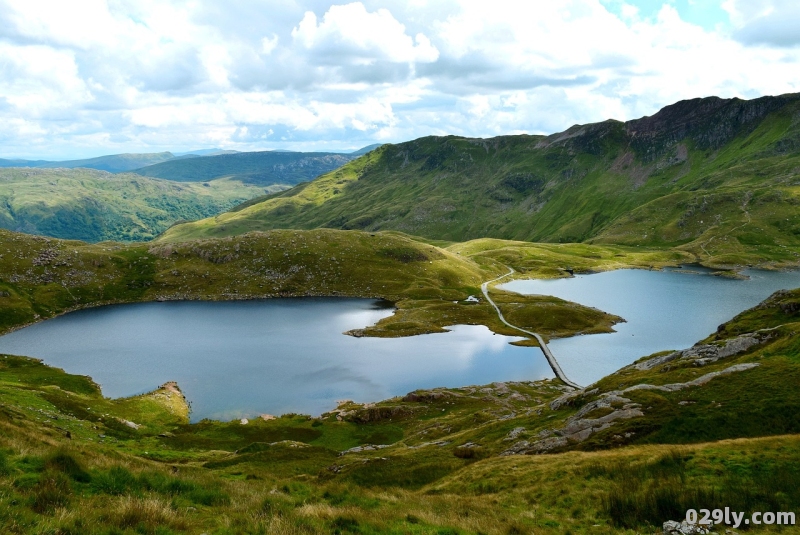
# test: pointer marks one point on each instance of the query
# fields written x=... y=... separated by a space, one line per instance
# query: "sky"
x=90 y=77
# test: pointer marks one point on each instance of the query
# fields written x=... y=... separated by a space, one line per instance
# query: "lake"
x=244 y=358
x=669 y=309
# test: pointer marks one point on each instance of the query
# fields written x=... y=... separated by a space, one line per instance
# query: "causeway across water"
x=551 y=359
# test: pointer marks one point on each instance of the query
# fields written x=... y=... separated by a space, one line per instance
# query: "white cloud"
x=101 y=76
x=765 y=22
x=351 y=33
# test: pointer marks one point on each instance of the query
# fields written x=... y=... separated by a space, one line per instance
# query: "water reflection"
x=235 y=359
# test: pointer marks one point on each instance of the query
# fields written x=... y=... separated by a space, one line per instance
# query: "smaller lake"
x=663 y=310
x=244 y=358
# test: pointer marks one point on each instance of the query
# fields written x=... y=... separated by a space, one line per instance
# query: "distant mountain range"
x=92 y=205
x=715 y=176
x=114 y=163
x=278 y=166
x=80 y=199
x=262 y=168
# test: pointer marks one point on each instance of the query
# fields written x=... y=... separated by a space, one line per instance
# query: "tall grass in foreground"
x=649 y=493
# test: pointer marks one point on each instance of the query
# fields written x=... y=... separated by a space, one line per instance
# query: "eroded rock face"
x=671 y=527
x=704 y=354
x=578 y=428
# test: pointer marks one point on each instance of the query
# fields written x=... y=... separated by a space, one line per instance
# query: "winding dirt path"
x=551 y=359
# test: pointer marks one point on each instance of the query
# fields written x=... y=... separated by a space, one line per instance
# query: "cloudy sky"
x=91 y=77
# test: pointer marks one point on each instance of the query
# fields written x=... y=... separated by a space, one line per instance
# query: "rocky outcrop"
x=695 y=382
x=376 y=414
x=426 y=396
x=578 y=428
x=704 y=354
x=365 y=447
x=671 y=527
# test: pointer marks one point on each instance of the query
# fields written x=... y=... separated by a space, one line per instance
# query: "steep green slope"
x=95 y=206
x=113 y=163
x=645 y=182
x=262 y=168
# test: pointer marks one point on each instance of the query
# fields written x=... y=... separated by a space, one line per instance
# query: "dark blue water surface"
x=243 y=358
x=663 y=310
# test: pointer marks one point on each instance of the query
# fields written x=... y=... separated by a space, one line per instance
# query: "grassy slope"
x=439 y=471
x=42 y=277
x=262 y=168
x=95 y=205
x=720 y=187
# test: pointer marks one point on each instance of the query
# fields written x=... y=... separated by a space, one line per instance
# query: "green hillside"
x=716 y=177
x=44 y=277
x=95 y=206
x=113 y=163
x=261 y=168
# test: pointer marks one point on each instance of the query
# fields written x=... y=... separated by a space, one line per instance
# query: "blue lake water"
x=244 y=358
x=663 y=310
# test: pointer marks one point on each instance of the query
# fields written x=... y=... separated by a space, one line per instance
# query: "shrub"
x=52 y=491
x=117 y=480
x=64 y=462
x=145 y=515
x=5 y=466
x=204 y=496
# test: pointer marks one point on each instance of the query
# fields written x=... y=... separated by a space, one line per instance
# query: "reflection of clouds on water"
x=358 y=319
x=244 y=358
x=336 y=374
x=439 y=353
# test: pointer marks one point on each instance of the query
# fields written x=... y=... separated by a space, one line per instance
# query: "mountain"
x=715 y=176
x=93 y=205
x=114 y=163
x=205 y=152
x=364 y=150
x=261 y=168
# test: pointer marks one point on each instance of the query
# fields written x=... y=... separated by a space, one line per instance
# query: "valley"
x=94 y=206
x=135 y=197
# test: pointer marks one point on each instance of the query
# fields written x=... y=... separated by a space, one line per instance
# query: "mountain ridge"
x=113 y=163
x=261 y=168
x=577 y=185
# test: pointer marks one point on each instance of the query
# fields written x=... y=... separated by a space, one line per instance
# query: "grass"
x=51 y=483
x=41 y=277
